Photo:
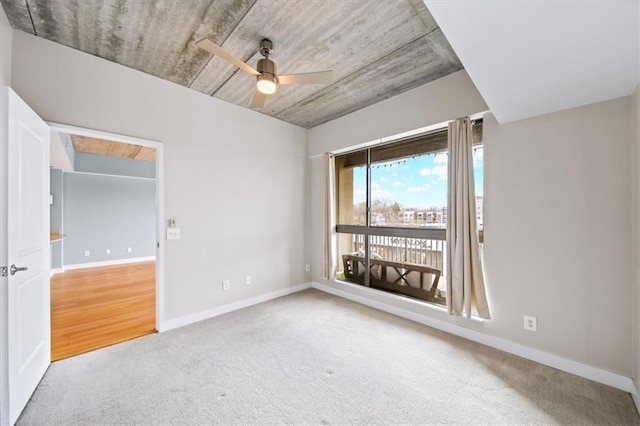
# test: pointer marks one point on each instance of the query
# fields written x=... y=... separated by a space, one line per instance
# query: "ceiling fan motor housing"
x=267 y=66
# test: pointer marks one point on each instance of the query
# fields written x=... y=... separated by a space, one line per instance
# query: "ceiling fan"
x=267 y=79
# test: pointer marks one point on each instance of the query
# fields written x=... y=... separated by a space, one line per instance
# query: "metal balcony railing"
x=419 y=251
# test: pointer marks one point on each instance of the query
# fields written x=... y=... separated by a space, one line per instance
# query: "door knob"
x=15 y=269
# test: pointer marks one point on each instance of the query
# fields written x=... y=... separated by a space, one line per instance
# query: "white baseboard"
x=636 y=395
x=588 y=372
x=56 y=271
x=220 y=310
x=108 y=263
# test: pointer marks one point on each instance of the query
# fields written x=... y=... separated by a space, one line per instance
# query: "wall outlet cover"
x=247 y=280
x=530 y=323
x=226 y=285
x=87 y=253
x=129 y=249
x=307 y=267
x=173 y=233
x=108 y=251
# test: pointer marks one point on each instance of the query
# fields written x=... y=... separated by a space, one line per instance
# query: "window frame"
x=435 y=138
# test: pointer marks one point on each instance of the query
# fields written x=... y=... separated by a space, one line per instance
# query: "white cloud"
x=375 y=184
x=440 y=158
x=384 y=179
x=425 y=172
x=440 y=171
x=398 y=183
x=419 y=188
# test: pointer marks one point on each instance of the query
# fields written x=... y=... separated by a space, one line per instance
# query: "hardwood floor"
x=96 y=307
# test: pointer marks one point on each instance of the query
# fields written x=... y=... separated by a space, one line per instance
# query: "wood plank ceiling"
x=112 y=149
x=376 y=48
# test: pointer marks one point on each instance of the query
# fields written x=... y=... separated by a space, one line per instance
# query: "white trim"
x=107 y=263
x=224 y=309
x=109 y=175
x=80 y=131
x=635 y=394
x=160 y=235
x=55 y=271
x=160 y=224
x=588 y=372
x=405 y=299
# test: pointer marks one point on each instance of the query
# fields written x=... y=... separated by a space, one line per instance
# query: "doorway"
x=107 y=239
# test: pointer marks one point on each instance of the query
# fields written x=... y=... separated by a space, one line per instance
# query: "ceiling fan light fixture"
x=267 y=79
x=267 y=84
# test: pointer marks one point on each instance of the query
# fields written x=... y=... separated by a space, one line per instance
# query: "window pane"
x=351 y=192
x=410 y=192
x=408 y=189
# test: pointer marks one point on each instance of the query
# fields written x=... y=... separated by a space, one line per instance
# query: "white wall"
x=557 y=218
x=6 y=36
x=635 y=197
x=234 y=179
x=557 y=232
x=433 y=103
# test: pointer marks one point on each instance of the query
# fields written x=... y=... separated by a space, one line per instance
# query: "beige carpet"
x=312 y=358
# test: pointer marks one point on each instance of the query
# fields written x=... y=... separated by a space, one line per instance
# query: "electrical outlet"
x=87 y=253
x=530 y=323
x=247 y=280
x=108 y=251
x=129 y=249
x=307 y=267
x=226 y=285
x=173 y=233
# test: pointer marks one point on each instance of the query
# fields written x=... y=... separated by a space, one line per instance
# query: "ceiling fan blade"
x=320 y=77
x=258 y=100
x=210 y=46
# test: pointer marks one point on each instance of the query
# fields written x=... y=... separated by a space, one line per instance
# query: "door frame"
x=160 y=221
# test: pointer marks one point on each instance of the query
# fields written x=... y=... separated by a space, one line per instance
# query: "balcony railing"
x=419 y=251
x=405 y=261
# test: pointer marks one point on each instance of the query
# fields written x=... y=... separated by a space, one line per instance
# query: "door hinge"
x=4 y=271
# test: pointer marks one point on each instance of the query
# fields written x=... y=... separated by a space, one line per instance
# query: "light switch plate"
x=173 y=233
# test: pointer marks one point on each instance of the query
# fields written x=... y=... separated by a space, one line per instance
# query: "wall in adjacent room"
x=95 y=163
x=108 y=212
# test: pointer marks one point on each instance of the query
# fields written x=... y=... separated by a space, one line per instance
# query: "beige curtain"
x=465 y=281
x=328 y=216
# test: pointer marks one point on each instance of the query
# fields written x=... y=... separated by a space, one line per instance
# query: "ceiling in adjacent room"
x=376 y=48
x=112 y=149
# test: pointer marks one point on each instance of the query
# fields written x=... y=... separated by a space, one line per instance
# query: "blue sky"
x=418 y=182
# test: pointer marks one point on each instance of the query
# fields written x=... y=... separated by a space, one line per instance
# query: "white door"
x=28 y=310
